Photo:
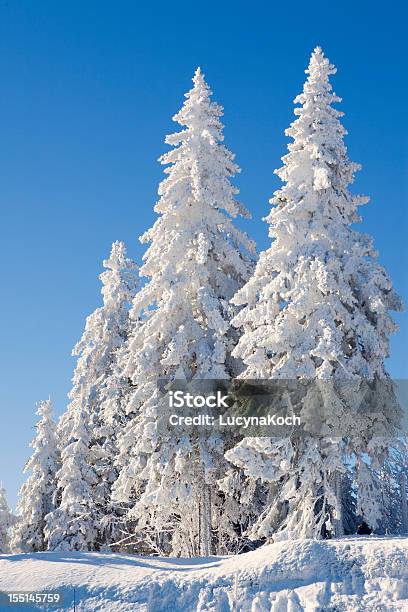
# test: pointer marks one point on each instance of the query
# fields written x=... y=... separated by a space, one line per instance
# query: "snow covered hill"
x=351 y=574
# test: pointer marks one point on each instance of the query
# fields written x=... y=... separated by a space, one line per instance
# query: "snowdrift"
x=350 y=574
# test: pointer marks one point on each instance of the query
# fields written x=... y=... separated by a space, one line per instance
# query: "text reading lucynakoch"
x=205 y=420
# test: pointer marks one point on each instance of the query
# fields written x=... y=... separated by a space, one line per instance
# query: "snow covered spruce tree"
x=195 y=263
x=84 y=516
x=37 y=493
x=317 y=310
x=7 y=520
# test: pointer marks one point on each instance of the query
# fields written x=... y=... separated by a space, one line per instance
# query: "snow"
x=350 y=574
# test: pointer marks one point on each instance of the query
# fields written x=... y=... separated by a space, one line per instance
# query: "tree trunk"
x=205 y=521
x=404 y=508
x=338 y=522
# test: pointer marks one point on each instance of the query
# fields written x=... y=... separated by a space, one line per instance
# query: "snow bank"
x=351 y=574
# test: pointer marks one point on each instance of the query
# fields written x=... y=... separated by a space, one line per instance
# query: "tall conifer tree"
x=317 y=310
x=81 y=520
x=196 y=261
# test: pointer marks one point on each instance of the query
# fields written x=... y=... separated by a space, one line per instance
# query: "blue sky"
x=87 y=95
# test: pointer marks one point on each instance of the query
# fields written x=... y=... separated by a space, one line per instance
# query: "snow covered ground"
x=351 y=574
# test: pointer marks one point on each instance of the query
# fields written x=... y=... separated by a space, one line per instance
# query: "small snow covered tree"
x=37 y=493
x=7 y=520
x=317 y=310
x=195 y=263
x=82 y=519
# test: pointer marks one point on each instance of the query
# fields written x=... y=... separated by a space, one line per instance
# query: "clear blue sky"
x=87 y=91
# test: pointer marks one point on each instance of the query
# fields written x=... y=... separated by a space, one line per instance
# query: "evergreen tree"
x=7 y=520
x=317 y=310
x=196 y=261
x=392 y=483
x=82 y=520
x=37 y=493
